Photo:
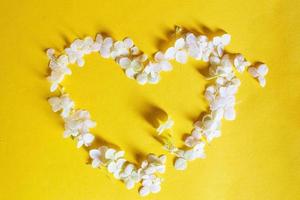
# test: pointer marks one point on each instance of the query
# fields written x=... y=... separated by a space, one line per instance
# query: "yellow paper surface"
x=258 y=155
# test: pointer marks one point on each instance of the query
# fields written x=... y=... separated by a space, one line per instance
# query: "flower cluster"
x=137 y=65
x=127 y=172
x=77 y=122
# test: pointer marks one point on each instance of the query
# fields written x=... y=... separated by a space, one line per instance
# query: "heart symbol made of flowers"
x=145 y=69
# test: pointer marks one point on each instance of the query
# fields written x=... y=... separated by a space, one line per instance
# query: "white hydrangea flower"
x=194 y=138
x=162 y=62
x=77 y=123
x=178 y=52
x=151 y=184
x=164 y=126
x=62 y=103
x=115 y=161
x=85 y=139
x=240 y=63
x=155 y=164
x=58 y=68
x=130 y=176
x=183 y=156
x=194 y=49
x=206 y=46
x=131 y=67
x=98 y=156
x=221 y=67
x=259 y=72
x=220 y=42
x=106 y=46
x=76 y=52
x=121 y=48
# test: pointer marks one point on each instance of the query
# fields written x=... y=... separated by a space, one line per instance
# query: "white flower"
x=178 y=52
x=131 y=67
x=115 y=161
x=85 y=139
x=194 y=49
x=220 y=42
x=77 y=50
x=106 y=46
x=151 y=184
x=259 y=72
x=205 y=46
x=162 y=62
x=63 y=103
x=194 y=138
x=98 y=156
x=77 y=123
x=121 y=48
x=58 y=68
x=156 y=164
x=221 y=67
x=164 y=126
x=183 y=156
x=180 y=164
x=240 y=63
x=130 y=176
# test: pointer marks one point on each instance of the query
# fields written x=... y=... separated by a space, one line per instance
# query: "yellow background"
x=258 y=155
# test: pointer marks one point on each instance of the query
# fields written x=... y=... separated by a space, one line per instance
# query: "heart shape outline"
x=128 y=56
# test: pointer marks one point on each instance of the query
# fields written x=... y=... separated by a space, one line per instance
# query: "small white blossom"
x=151 y=184
x=106 y=47
x=164 y=126
x=77 y=123
x=259 y=72
x=178 y=52
x=194 y=138
x=195 y=152
x=240 y=63
x=62 y=103
x=115 y=161
x=220 y=42
x=58 y=68
x=121 y=48
x=131 y=67
x=85 y=139
x=130 y=176
x=98 y=156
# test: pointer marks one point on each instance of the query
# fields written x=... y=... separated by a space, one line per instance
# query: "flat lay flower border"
x=146 y=70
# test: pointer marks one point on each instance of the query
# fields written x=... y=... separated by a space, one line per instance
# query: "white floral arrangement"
x=146 y=70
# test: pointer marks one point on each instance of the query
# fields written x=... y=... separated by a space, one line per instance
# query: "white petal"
x=262 y=70
x=119 y=154
x=130 y=184
x=124 y=62
x=179 y=44
x=229 y=114
x=111 y=167
x=128 y=43
x=226 y=39
x=96 y=163
x=144 y=191
x=130 y=72
x=88 y=139
x=181 y=57
x=94 y=153
x=159 y=56
x=155 y=188
x=262 y=81
x=142 y=78
x=170 y=53
x=79 y=143
x=180 y=164
x=50 y=53
x=110 y=153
